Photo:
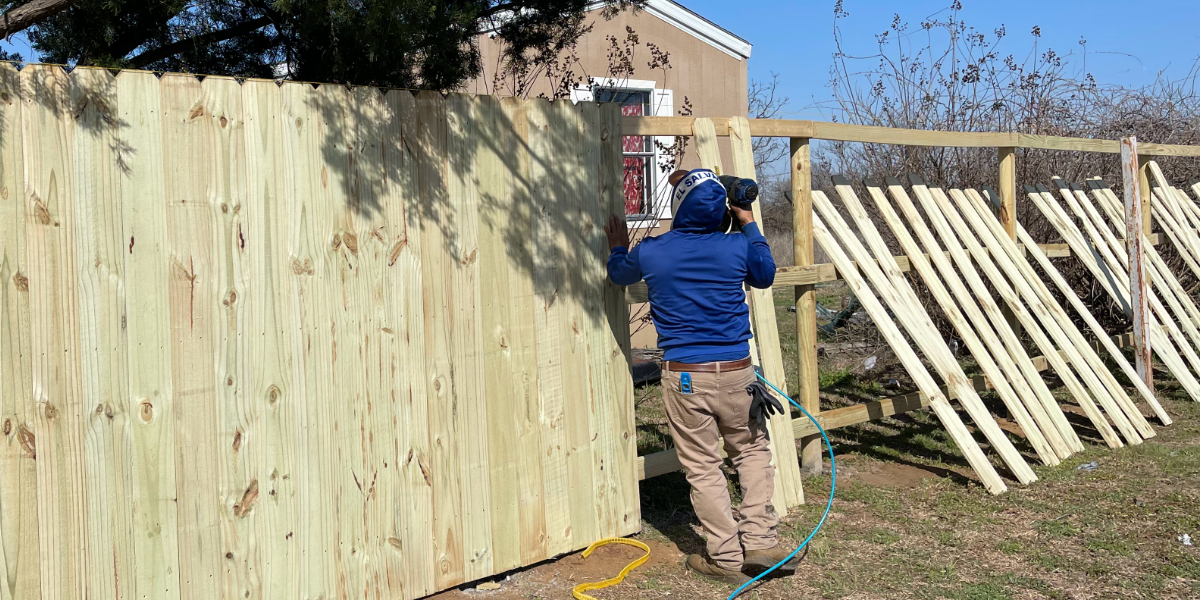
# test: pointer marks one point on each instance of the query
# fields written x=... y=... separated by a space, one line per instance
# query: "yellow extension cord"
x=579 y=590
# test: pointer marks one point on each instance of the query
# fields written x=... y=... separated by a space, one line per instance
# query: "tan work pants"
x=719 y=407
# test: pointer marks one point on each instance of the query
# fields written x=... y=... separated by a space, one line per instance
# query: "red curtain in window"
x=635 y=172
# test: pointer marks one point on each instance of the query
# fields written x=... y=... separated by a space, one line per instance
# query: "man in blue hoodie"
x=695 y=274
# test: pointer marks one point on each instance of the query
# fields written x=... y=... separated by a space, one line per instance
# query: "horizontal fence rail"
x=844 y=132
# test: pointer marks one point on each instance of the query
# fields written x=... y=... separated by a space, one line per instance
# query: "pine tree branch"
x=29 y=14
x=212 y=37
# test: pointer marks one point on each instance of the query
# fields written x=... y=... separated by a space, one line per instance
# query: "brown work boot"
x=761 y=560
x=702 y=566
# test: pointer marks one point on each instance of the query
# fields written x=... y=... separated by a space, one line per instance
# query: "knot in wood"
x=146 y=411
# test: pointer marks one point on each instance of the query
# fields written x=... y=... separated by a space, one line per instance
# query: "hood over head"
x=698 y=202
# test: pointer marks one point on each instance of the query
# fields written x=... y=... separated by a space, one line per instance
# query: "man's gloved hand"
x=762 y=405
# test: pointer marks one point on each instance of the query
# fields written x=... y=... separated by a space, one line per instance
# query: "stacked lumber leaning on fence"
x=842 y=245
x=993 y=343
x=1114 y=265
x=1112 y=275
x=1047 y=323
x=263 y=340
x=1183 y=312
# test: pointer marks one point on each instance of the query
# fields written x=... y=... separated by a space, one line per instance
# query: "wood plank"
x=19 y=538
x=912 y=363
x=151 y=400
x=463 y=145
x=624 y=439
x=353 y=313
x=436 y=261
x=57 y=436
x=1042 y=305
x=273 y=390
x=904 y=303
x=1008 y=335
x=954 y=234
x=204 y=477
x=1115 y=267
x=910 y=137
x=105 y=369
x=367 y=238
x=1137 y=266
x=406 y=215
x=314 y=267
x=549 y=313
x=503 y=377
x=524 y=339
x=805 y=296
x=1077 y=202
x=591 y=254
x=762 y=308
x=566 y=211
x=981 y=341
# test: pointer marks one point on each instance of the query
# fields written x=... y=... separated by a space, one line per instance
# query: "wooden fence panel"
x=18 y=467
x=288 y=341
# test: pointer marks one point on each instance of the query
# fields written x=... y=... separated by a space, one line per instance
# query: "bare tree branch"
x=29 y=14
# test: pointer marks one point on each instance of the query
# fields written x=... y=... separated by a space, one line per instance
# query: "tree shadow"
x=528 y=174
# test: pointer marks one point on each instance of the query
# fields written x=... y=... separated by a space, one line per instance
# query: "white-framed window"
x=647 y=192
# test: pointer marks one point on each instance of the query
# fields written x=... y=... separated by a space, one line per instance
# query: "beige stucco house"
x=708 y=72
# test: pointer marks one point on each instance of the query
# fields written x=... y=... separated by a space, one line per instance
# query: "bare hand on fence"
x=617 y=232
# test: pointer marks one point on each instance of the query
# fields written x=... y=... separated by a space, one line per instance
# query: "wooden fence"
x=805 y=275
x=288 y=341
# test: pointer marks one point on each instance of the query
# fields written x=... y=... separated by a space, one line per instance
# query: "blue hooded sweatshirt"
x=695 y=274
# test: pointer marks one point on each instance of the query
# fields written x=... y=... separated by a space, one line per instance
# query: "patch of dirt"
x=556 y=578
x=888 y=474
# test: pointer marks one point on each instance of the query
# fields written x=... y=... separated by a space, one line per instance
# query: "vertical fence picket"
x=151 y=402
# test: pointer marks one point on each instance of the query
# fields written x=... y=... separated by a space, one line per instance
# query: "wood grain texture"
x=103 y=339
x=546 y=187
x=281 y=341
x=627 y=504
x=406 y=217
x=313 y=265
x=193 y=294
x=470 y=394
x=273 y=390
x=151 y=400
x=57 y=436
x=18 y=497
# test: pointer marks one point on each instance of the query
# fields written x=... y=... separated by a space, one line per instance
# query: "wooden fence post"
x=806 y=301
x=1133 y=173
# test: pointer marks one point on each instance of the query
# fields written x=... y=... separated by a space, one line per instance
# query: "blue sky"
x=1128 y=43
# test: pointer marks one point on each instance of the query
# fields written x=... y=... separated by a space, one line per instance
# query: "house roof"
x=698 y=26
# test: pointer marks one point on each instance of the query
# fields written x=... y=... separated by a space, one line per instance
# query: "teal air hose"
x=828 y=505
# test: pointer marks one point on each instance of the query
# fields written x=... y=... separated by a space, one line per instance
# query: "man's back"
x=695 y=274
